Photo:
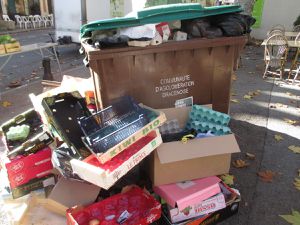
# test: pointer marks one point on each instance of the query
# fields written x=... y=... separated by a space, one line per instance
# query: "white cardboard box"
x=105 y=179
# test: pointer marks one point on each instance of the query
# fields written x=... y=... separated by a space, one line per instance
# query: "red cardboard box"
x=133 y=207
x=22 y=163
x=23 y=169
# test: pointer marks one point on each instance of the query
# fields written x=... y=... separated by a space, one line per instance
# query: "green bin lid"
x=157 y=14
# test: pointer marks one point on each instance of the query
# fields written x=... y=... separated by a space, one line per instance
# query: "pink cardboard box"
x=210 y=205
x=188 y=193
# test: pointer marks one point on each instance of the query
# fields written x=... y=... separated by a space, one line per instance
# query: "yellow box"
x=2 y=50
x=12 y=47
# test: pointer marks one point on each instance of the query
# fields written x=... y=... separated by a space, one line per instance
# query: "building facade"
x=26 y=7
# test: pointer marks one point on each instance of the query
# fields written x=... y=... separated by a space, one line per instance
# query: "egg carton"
x=200 y=113
x=203 y=127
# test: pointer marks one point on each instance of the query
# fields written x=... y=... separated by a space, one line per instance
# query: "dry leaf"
x=251 y=72
x=294 y=148
x=250 y=156
x=280 y=105
x=234 y=100
x=247 y=97
x=227 y=179
x=266 y=176
x=278 y=137
x=233 y=94
x=239 y=163
x=293 y=219
x=6 y=104
x=292 y=122
x=297 y=183
x=234 y=77
x=289 y=94
x=14 y=84
x=293 y=101
x=254 y=93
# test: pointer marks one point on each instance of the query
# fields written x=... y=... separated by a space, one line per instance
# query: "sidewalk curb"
x=24 y=30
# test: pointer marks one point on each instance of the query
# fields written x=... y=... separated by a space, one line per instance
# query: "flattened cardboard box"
x=68 y=193
x=175 y=161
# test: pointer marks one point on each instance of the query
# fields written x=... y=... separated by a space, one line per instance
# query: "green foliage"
x=297 y=21
x=5 y=39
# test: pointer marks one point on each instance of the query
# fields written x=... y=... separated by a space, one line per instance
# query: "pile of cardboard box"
x=176 y=170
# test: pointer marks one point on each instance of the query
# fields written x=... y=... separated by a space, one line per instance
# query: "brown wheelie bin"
x=160 y=75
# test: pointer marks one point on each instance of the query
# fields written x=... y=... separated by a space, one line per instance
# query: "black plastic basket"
x=110 y=126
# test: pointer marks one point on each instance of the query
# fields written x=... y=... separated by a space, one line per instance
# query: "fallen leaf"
x=289 y=94
x=250 y=156
x=234 y=100
x=251 y=72
x=266 y=176
x=234 y=77
x=6 y=104
x=227 y=179
x=33 y=73
x=293 y=101
x=233 y=94
x=293 y=219
x=278 y=137
x=299 y=173
x=239 y=163
x=294 y=148
x=280 y=105
x=297 y=183
x=254 y=93
x=292 y=122
x=14 y=84
x=247 y=97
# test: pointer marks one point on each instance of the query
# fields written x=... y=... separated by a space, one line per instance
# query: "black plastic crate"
x=108 y=127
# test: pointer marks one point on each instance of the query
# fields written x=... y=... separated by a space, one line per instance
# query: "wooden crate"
x=2 y=50
x=13 y=47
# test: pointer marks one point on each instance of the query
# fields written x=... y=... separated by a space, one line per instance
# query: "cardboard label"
x=212 y=204
x=185 y=184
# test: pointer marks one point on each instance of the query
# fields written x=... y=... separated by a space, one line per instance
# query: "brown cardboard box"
x=12 y=47
x=175 y=161
x=2 y=50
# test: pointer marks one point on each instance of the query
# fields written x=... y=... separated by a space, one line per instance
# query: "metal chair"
x=275 y=31
x=6 y=18
x=296 y=28
x=278 y=27
x=276 y=49
x=19 y=21
x=297 y=61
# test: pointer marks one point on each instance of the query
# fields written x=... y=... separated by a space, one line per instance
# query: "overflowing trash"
x=89 y=161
